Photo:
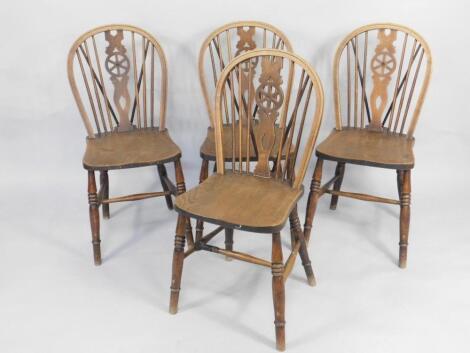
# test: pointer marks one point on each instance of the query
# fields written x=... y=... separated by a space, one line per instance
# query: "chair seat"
x=135 y=148
x=208 y=146
x=240 y=201
x=361 y=146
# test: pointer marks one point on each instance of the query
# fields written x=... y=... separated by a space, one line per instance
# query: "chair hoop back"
x=229 y=41
x=263 y=103
x=123 y=79
x=380 y=68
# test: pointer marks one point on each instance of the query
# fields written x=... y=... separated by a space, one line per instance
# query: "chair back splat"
x=118 y=77
x=228 y=42
x=265 y=99
x=377 y=71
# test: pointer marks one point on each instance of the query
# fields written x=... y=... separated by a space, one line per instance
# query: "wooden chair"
x=125 y=94
x=264 y=101
x=219 y=48
x=376 y=75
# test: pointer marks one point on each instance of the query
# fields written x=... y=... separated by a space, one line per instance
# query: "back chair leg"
x=202 y=176
x=339 y=172
x=399 y=182
x=279 y=299
x=104 y=181
x=404 y=216
x=181 y=189
x=94 y=217
x=303 y=252
x=162 y=174
x=313 y=197
x=177 y=267
x=228 y=241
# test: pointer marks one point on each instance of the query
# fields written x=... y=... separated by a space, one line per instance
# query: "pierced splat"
x=246 y=41
x=383 y=65
x=269 y=98
x=117 y=64
x=244 y=44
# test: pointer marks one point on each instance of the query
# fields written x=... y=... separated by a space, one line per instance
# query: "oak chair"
x=377 y=86
x=265 y=99
x=219 y=48
x=118 y=77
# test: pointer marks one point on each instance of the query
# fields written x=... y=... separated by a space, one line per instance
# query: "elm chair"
x=381 y=75
x=219 y=48
x=118 y=77
x=285 y=95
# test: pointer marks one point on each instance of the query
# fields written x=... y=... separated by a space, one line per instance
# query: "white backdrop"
x=52 y=299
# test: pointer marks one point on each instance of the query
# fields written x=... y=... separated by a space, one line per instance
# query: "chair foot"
x=279 y=299
x=94 y=217
x=228 y=242
x=177 y=266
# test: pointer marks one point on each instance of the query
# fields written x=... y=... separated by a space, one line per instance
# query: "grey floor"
x=52 y=298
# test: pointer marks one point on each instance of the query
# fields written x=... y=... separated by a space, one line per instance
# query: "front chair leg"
x=162 y=174
x=405 y=217
x=303 y=252
x=177 y=267
x=94 y=217
x=104 y=181
x=339 y=172
x=277 y=269
x=228 y=241
x=313 y=197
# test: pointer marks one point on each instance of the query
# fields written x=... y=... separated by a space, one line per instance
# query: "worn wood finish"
x=241 y=202
x=359 y=146
x=258 y=194
x=405 y=200
x=118 y=77
x=94 y=217
x=279 y=300
x=399 y=71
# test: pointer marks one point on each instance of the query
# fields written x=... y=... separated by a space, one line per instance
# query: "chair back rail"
x=229 y=41
x=118 y=77
x=377 y=71
x=279 y=96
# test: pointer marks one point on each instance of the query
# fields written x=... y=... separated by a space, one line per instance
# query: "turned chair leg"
x=277 y=269
x=162 y=174
x=404 y=216
x=104 y=183
x=181 y=189
x=339 y=172
x=303 y=252
x=94 y=217
x=313 y=197
x=202 y=176
x=177 y=267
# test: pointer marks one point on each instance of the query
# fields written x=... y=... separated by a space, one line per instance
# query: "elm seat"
x=135 y=148
x=365 y=147
x=208 y=146
x=241 y=201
